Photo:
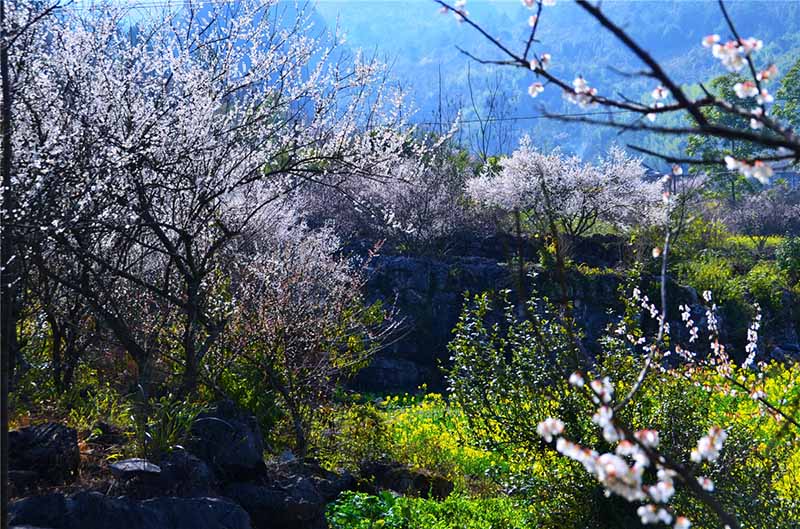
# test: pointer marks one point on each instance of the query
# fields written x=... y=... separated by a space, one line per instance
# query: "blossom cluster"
x=621 y=471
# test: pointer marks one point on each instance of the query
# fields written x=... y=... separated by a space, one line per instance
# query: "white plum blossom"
x=706 y=483
x=648 y=437
x=542 y=62
x=662 y=491
x=710 y=40
x=535 y=89
x=745 y=89
x=729 y=54
x=578 y=194
x=768 y=73
x=752 y=338
x=764 y=97
x=603 y=389
x=159 y=148
x=759 y=170
x=750 y=45
x=682 y=522
x=659 y=93
x=756 y=122
x=582 y=94
x=709 y=446
x=650 y=514
x=550 y=428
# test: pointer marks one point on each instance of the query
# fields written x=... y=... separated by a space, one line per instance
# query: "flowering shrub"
x=769 y=213
x=659 y=450
x=142 y=157
x=300 y=324
x=433 y=435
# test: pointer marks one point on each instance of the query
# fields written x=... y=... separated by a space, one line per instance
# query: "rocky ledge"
x=220 y=481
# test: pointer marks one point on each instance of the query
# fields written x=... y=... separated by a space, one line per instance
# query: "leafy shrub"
x=769 y=213
x=433 y=435
x=787 y=256
x=168 y=425
x=765 y=282
x=349 y=436
x=361 y=511
x=715 y=274
x=495 y=379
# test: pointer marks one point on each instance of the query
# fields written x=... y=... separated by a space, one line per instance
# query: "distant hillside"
x=420 y=43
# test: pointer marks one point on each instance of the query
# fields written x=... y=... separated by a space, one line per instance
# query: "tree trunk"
x=9 y=276
x=56 y=337
x=522 y=296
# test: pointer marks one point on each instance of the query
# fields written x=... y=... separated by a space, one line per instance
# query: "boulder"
x=329 y=484
x=50 y=450
x=183 y=474
x=429 y=295
x=404 y=480
x=137 y=478
x=92 y=510
x=388 y=373
x=21 y=481
x=294 y=504
x=134 y=468
x=230 y=441
x=198 y=513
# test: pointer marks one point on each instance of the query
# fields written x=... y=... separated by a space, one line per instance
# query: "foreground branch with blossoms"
x=621 y=472
x=774 y=140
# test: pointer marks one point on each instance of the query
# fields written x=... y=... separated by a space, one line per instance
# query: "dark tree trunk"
x=9 y=274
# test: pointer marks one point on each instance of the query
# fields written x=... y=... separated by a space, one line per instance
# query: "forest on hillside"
x=275 y=265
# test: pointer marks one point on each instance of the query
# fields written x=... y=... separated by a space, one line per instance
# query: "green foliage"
x=361 y=511
x=349 y=436
x=787 y=257
x=167 y=425
x=434 y=435
x=788 y=96
x=765 y=282
x=759 y=465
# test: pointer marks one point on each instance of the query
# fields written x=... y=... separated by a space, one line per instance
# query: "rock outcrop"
x=47 y=453
x=229 y=441
x=93 y=510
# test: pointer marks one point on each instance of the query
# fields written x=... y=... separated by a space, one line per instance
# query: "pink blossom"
x=745 y=89
x=710 y=40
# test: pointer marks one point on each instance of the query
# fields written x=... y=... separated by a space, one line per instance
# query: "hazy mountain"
x=421 y=45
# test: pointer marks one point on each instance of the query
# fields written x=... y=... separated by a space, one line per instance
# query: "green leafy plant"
x=168 y=425
x=787 y=257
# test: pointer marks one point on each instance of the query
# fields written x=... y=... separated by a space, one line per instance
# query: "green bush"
x=386 y=511
x=345 y=437
x=164 y=425
x=716 y=274
x=765 y=282
x=787 y=256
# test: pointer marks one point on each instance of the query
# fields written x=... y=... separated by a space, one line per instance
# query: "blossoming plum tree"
x=570 y=193
x=143 y=154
